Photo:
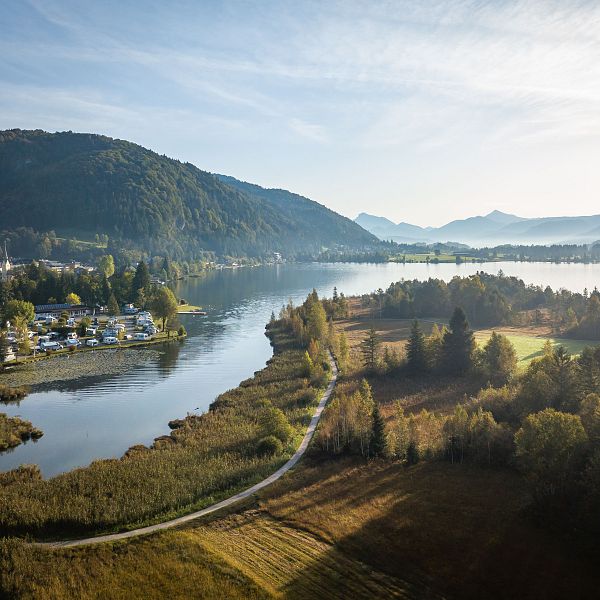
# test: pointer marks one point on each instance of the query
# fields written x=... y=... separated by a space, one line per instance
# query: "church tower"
x=5 y=265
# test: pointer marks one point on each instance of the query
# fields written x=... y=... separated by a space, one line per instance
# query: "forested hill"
x=95 y=184
x=314 y=219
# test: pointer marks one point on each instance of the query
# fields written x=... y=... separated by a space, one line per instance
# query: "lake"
x=102 y=417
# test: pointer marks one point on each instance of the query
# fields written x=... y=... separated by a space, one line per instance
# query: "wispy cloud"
x=363 y=78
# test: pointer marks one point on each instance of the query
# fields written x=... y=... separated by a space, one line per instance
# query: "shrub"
x=412 y=454
x=181 y=331
x=269 y=445
x=273 y=422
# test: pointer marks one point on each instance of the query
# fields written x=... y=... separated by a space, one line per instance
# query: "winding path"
x=114 y=537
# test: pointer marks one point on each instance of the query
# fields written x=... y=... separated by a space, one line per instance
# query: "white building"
x=6 y=266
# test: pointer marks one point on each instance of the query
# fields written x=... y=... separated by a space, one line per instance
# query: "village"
x=62 y=327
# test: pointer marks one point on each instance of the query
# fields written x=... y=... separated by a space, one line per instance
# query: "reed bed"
x=205 y=458
x=15 y=431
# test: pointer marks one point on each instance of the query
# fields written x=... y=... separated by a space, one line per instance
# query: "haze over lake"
x=100 y=418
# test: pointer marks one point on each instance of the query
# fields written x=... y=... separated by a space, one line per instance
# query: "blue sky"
x=418 y=111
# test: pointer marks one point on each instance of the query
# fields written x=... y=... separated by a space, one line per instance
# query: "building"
x=43 y=311
x=6 y=266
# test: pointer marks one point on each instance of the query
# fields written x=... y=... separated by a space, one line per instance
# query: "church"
x=5 y=265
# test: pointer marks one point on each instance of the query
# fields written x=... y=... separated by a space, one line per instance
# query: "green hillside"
x=95 y=184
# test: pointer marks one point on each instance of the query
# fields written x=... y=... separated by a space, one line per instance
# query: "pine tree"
x=369 y=348
x=313 y=350
x=458 y=345
x=416 y=350
x=434 y=346
x=588 y=372
x=499 y=359
x=141 y=278
x=307 y=365
x=412 y=454
x=113 y=306
x=378 y=440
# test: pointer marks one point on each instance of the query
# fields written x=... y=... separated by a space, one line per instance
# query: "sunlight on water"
x=102 y=417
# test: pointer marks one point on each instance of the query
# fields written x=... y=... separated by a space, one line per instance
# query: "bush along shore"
x=12 y=394
x=15 y=431
x=246 y=435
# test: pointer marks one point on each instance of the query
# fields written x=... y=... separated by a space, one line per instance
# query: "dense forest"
x=490 y=300
x=89 y=185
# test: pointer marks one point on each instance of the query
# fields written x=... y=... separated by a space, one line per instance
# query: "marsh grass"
x=12 y=394
x=15 y=431
x=203 y=460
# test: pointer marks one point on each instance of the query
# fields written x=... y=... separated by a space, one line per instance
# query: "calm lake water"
x=101 y=418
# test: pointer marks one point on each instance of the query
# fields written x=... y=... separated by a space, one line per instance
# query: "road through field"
x=114 y=537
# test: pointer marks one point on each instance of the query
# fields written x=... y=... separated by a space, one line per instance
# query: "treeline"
x=552 y=253
x=398 y=252
x=490 y=300
x=37 y=284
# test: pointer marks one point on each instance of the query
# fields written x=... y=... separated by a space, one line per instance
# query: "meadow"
x=332 y=528
x=394 y=333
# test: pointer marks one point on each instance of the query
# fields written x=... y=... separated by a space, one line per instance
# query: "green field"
x=529 y=347
x=440 y=258
x=187 y=307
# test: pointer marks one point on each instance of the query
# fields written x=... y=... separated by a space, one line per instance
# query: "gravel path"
x=224 y=503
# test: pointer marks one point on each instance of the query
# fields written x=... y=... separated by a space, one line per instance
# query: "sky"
x=422 y=112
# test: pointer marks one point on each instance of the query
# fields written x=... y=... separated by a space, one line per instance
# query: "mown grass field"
x=187 y=307
x=333 y=528
x=529 y=347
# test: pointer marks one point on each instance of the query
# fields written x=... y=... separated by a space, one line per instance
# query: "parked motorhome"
x=50 y=346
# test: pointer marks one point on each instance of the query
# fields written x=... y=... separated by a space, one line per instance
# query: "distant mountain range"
x=490 y=230
x=86 y=184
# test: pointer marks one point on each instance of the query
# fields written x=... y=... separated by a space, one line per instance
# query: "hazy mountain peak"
x=494 y=228
x=503 y=218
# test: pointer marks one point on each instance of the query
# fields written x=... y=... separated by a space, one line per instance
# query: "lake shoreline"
x=19 y=373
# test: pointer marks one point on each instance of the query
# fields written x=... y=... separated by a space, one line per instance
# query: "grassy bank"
x=205 y=459
x=188 y=307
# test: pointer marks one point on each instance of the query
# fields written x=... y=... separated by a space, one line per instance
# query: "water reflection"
x=103 y=416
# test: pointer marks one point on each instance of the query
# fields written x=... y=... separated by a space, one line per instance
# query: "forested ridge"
x=98 y=185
